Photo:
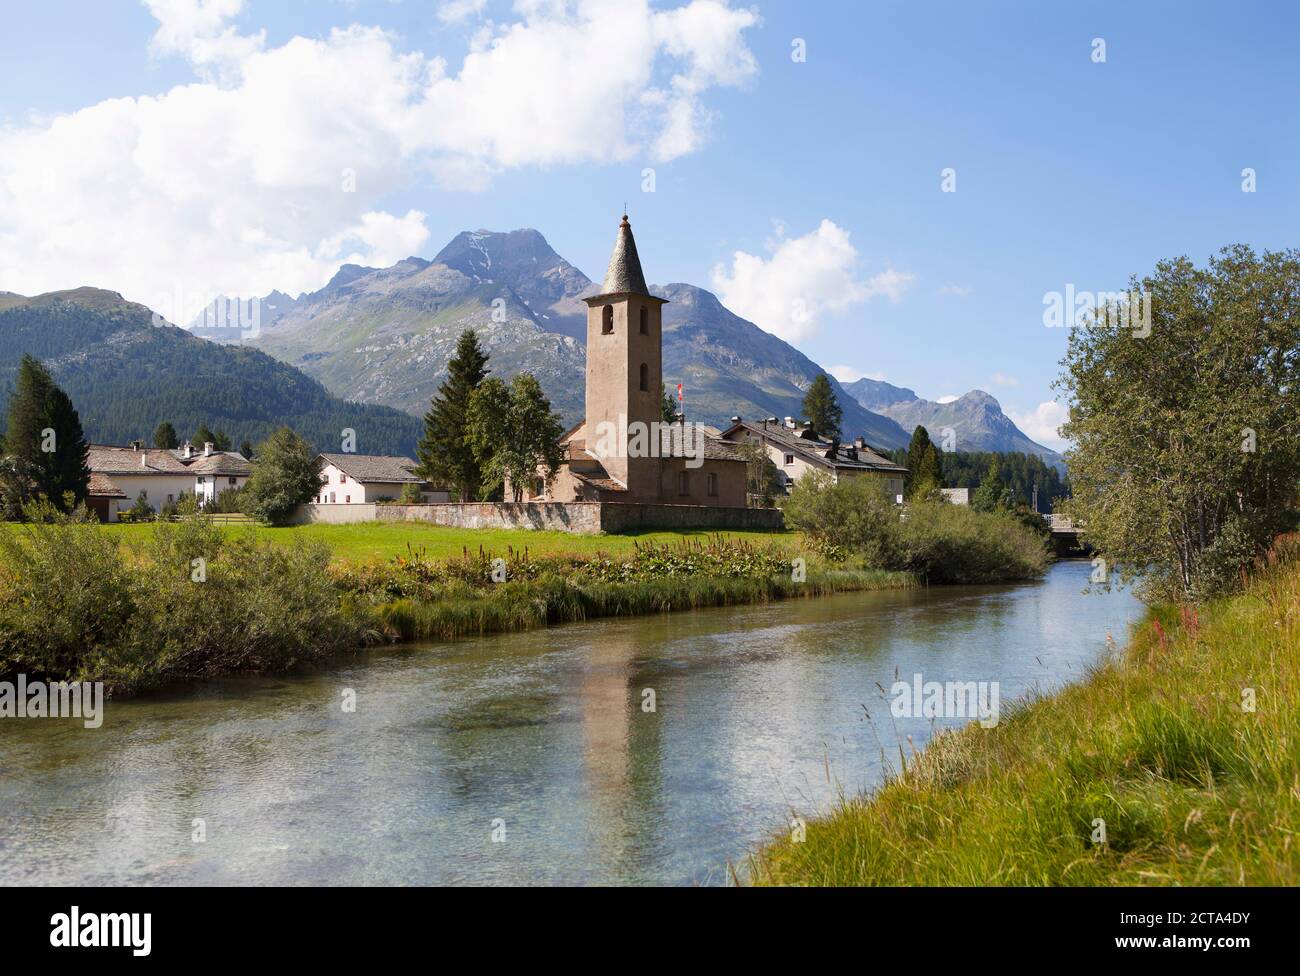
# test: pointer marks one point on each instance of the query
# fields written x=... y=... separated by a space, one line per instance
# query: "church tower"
x=624 y=365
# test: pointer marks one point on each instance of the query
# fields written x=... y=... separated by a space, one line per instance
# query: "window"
x=347 y=499
x=789 y=459
x=683 y=482
x=539 y=487
x=331 y=498
x=607 y=320
x=713 y=485
x=171 y=498
x=645 y=377
x=234 y=481
x=202 y=480
x=343 y=479
x=143 y=493
x=645 y=320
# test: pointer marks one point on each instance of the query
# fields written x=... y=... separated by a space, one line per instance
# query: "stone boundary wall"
x=583 y=518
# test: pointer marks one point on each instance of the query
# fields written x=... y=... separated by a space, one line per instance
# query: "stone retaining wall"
x=584 y=518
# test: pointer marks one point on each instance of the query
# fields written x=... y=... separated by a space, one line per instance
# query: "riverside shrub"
x=939 y=542
x=186 y=603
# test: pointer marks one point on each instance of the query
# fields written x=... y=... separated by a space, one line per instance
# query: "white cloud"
x=947 y=399
x=456 y=11
x=1001 y=379
x=239 y=182
x=850 y=374
x=1042 y=422
x=804 y=278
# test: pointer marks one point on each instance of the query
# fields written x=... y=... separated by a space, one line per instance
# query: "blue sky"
x=824 y=173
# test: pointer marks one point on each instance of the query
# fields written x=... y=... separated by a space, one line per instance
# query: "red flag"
x=679 y=392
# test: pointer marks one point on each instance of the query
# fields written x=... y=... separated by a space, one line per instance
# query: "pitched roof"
x=221 y=463
x=811 y=447
x=101 y=486
x=385 y=469
x=125 y=460
x=623 y=276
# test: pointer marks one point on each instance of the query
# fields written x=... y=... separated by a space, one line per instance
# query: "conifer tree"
x=445 y=454
x=924 y=465
x=164 y=436
x=45 y=435
x=822 y=408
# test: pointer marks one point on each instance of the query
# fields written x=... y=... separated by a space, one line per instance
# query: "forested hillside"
x=126 y=375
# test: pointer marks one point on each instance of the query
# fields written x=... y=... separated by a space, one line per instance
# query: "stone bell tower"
x=624 y=366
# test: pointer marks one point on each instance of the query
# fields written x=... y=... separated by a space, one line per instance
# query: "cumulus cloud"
x=1041 y=424
x=850 y=374
x=271 y=168
x=949 y=398
x=803 y=278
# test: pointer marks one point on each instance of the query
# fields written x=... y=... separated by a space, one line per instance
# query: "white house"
x=349 y=479
x=214 y=471
x=122 y=475
x=141 y=473
x=796 y=449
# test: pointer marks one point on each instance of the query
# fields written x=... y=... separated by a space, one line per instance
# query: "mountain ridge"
x=126 y=373
x=371 y=334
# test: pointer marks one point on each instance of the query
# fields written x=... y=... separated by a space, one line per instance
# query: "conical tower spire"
x=623 y=276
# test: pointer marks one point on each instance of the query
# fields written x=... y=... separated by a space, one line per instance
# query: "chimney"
x=144 y=459
x=188 y=450
x=735 y=420
x=859 y=443
x=207 y=448
x=789 y=422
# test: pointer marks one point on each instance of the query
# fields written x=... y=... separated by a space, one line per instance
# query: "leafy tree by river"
x=1187 y=427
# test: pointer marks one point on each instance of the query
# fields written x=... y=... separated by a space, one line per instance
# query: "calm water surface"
x=762 y=712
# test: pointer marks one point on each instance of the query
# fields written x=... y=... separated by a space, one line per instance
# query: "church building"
x=623 y=451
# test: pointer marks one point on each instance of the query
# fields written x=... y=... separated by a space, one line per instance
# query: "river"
x=534 y=758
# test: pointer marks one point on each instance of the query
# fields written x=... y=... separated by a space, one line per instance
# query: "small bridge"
x=1066 y=536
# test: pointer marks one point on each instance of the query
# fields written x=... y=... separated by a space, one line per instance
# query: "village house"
x=214 y=471
x=350 y=479
x=622 y=451
x=119 y=476
x=796 y=449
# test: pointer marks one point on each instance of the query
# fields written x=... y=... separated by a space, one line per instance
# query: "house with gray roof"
x=351 y=479
x=795 y=449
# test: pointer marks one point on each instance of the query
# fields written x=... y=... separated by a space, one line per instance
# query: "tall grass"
x=549 y=599
x=1192 y=788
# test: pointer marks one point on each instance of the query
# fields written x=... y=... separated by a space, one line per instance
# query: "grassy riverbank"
x=1193 y=788
x=193 y=599
x=536 y=603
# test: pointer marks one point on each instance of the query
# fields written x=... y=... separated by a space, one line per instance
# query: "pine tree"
x=445 y=454
x=924 y=465
x=203 y=436
x=822 y=408
x=246 y=449
x=45 y=434
x=164 y=437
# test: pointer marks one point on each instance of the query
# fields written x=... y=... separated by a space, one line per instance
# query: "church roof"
x=624 y=275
